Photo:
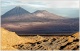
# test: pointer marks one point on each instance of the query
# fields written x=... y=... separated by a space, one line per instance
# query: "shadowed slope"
x=17 y=11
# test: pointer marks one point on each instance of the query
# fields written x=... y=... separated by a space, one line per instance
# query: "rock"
x=76 y=35
x=11 y=41
x=70 y=39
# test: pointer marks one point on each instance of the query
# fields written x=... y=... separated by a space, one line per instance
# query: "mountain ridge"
x=19 y=11
x=39 y=22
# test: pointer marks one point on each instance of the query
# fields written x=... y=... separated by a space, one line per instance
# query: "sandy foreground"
x=11 y=41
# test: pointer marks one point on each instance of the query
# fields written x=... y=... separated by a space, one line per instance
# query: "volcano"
x=22 y=22
x=17 y=11
x=20 y=14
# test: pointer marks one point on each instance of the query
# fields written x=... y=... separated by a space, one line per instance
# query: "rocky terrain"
x=51 y=43
x=11 y=41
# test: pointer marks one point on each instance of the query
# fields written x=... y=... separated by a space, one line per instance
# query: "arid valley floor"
x=11 y=41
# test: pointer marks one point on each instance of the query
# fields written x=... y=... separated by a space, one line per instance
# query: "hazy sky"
x=67 y=8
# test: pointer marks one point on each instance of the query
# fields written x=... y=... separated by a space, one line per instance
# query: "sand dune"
x=11 y=41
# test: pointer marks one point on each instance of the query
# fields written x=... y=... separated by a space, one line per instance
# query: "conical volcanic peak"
x=16 y=11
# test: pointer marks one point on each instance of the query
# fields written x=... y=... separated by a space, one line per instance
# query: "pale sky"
x=67 y=8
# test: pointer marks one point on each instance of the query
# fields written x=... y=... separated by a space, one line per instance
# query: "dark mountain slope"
x=17 y=11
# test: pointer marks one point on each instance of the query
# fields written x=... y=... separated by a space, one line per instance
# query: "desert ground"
x=11 y=41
